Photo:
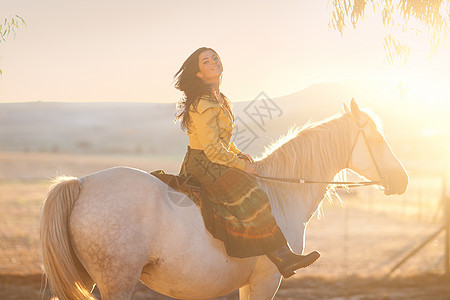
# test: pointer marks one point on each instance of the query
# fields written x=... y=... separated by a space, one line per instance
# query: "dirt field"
x=429 y=286
x=360 y=242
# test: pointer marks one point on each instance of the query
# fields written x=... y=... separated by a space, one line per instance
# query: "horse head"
x=371 y=155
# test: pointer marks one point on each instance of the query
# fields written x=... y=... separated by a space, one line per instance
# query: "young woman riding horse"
x=234 y=208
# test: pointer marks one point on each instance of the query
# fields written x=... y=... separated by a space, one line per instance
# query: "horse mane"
x=308 y=153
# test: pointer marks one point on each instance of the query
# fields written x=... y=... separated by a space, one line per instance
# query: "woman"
x=234 y=208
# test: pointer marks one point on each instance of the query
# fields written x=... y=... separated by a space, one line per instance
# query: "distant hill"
x=148 y=128
x=88 y=127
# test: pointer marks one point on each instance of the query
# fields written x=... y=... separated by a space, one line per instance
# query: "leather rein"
x=340 y=184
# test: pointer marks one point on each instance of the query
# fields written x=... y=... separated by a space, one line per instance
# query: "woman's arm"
x=240 y=154
x=208 y=133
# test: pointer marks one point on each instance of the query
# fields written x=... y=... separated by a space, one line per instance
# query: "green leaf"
x=23 y=21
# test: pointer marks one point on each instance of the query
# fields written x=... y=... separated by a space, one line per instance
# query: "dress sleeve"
x=234 y=149
x=208 y=133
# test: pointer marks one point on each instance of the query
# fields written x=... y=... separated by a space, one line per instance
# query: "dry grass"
x=24 y=181
x=20 y=202
x=43 y=166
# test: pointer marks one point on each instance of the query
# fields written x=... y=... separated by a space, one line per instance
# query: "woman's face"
x=210 y=67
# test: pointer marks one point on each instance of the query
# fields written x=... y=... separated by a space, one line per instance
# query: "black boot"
x=287 y=261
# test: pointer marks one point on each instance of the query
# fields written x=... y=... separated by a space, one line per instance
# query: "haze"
x=129 y=50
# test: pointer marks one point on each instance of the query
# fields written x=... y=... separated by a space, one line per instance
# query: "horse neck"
x=316 y=153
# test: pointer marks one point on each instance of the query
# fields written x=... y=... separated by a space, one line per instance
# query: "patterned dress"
x=234 y=208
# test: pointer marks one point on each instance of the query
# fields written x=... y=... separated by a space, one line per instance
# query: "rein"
x=340 y=184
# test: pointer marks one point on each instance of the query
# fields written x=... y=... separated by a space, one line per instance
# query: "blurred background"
x=88 y=85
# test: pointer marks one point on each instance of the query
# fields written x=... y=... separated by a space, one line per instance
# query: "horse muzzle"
x=395 y=184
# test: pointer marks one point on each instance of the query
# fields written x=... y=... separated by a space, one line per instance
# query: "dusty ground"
x=360 y=242
x=426 y=286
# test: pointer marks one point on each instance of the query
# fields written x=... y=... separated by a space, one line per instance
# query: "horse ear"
x=354 y=108
x=345 y=107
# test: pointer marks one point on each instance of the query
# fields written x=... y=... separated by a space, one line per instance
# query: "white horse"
x=121 y=225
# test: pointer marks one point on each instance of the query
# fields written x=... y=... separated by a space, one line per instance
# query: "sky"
x=98 y=50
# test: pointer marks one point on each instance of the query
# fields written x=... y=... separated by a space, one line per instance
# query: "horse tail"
x=58 y=255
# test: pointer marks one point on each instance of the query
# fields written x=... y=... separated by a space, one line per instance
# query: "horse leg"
x=122 y=295
x=120 y=288
x=115 y=279
x=115 y=268
x=264 y=281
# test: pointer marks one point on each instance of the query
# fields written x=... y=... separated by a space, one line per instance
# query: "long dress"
x=234 y=207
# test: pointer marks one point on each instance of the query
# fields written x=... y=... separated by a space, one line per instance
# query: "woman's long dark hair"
x=186 y=81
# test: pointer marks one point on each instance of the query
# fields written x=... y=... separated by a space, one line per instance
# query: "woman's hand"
x=250 y=168
x=245 y=156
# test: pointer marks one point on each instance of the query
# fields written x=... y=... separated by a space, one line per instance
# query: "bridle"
x=342 y=184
